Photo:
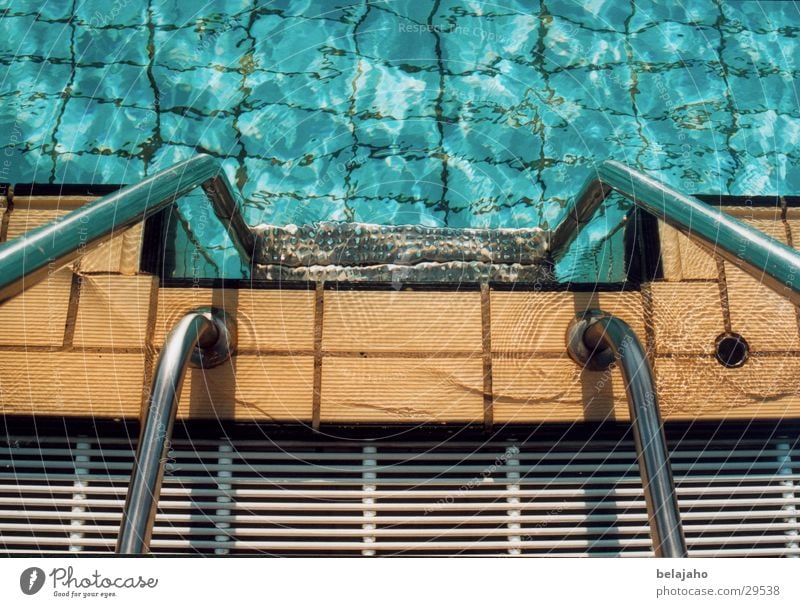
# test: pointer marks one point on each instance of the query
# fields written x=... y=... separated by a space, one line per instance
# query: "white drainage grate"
x=738 y=497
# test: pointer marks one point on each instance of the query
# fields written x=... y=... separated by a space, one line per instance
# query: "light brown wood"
x=669 y=239
x=395 y=357
x=693 y=388
x=794 y=229
x=58 y=203
x=266 y=320
x=404 y=390
x=696 y=262
x=792 y=213
x=113 y=311
x=131 y=250
x=106 y=257
x=751 y=213
x=687 y=317
x=21 y=220
x=538 y=321
x=81 y=383
x=554 y=390
x=684 y=259
x=401 y=321
x=38 y=316
x=251 y=388
x=766 y=320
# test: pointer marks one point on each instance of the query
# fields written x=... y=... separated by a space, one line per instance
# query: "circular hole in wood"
x=732 y=350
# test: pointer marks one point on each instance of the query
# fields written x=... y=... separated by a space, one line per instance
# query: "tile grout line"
x=72 y=310
x=486 y=342
x=649 y=323
x=723 y=294
x=319 y=309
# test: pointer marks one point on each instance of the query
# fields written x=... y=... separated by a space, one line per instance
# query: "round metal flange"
x=731 y=349
x=221 y=346
x=594 y=360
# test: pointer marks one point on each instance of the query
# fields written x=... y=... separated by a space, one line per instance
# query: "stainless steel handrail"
x=28 y=259
x=766 y=259
x=207 y=337
x=596 y=340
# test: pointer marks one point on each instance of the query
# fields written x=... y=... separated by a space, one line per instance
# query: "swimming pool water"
x=479 y=114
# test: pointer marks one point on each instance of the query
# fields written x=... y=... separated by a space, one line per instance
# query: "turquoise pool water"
x=481 y=114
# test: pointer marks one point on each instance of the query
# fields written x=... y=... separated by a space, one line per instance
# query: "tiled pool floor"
x=441 y=113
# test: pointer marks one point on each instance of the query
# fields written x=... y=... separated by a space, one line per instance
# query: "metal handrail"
x=206 y=337
x=597 y=340
x=29 y=259
x=766 y=259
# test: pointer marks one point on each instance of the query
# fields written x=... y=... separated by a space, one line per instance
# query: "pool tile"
x=675 y=43
x=178 y=89
x=109 y=46
x=116 y=83
x=27 y=36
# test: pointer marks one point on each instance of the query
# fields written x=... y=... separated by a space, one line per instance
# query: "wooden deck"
x=85 y=341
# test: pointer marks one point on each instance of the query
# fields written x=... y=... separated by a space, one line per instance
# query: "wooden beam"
x=251 y=388
x=404 y=390
x=402 y=321
x=267 y=320
x=91 y=384
x=701 y=388
x=766 y=320
x=532 y=389
x=38 y=316
x=537 y=321
x=107 y=257
x=687 y=317
x=113 y=311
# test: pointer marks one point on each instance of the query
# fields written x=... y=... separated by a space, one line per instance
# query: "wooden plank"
x=113 y=311
x=107 y=257
x=696 y=262
x=537 y=321
x=71 y=383
x=401 y=321
x=669 y=238
x=251 y=387
x=403 y=390
x=266 y=320
x=766 y=320
x=37 y=317
x=684 y=259
x=57 y=203
x=131 y=250
x=687 y=317
x=701 y=388
x=22 y=220
x=794 y=228
x=535 y=389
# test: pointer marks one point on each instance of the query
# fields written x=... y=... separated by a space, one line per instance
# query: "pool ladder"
x=207 y=337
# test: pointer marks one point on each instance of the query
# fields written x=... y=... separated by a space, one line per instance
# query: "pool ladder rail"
x=207 y=337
